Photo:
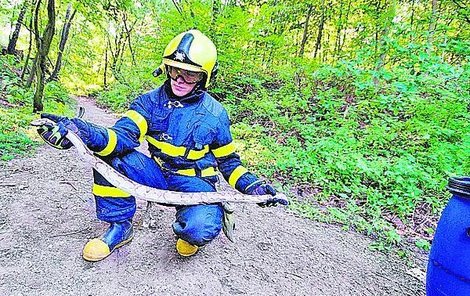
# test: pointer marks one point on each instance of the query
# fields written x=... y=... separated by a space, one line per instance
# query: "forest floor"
x=47 y=215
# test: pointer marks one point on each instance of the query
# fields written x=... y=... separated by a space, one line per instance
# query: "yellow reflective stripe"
x=187 y=172
x=140 y=121
x=112 y=141
x=210 y=171
x=108 y=191
x=175 y=151
x=198 y=154
x=236 y=174
x=167 y=148
x=224 y=150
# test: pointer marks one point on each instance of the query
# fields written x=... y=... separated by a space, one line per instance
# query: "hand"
x=54 y=134
x=263 y=189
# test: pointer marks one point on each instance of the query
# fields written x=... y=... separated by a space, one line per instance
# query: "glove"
x=261 y=188
x=54 y=134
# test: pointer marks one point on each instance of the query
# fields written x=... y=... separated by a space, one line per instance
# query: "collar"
x=194 y=96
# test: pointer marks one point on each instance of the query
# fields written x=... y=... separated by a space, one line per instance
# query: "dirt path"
x=47 y=215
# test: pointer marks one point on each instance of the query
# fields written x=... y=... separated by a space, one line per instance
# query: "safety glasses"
x=189 y=77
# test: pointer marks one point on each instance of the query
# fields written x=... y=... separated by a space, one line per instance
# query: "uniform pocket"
x=160 y=122
x=202 y=135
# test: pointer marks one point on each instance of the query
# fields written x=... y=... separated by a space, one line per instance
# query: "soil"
x=47 y=215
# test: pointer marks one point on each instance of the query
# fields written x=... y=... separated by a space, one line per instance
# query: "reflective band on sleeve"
x=175 y=151
x=224 y=150
x=236 y=174
x=140 y=121
x=112 y=141
x=106 y=191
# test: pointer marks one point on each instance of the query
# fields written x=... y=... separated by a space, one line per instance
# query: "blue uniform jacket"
x=190 y=138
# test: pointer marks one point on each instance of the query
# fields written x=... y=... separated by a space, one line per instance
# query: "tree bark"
x=344 y=34
x=215 y=11
x=43 y=45
x=432 y=23
x=63 y=40
x=385 y=29
x=175 y=2
x=305 y=34
x=105 y=74
x=128 y=36
x=338 y=30
x=14 y=37
x=320 y=31
x=412 y=19
x=32 y=74
x=28 y=55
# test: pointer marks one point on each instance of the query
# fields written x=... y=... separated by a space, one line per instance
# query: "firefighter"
x=189 y=139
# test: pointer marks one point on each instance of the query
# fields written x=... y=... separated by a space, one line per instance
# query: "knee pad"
x=198 y=225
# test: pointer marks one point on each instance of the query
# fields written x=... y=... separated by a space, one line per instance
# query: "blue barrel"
x=448 y=270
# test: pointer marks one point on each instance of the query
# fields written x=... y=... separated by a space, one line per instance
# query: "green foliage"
x=13 y=136
x=16 y=137
x=423 y=244
x=377 y=151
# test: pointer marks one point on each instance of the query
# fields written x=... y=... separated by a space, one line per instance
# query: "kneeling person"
x=189 y=139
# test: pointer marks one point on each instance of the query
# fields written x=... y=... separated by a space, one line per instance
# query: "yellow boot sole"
x=96 y=249
x=185 y=249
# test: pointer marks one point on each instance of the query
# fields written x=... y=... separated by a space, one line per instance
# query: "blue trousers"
x=198 y=224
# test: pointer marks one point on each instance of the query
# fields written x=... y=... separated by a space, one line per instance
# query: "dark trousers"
x=198 y=224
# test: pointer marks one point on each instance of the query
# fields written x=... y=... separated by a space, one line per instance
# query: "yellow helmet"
x=192 y=51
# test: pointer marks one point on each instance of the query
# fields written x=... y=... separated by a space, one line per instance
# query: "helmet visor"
x=189 y=77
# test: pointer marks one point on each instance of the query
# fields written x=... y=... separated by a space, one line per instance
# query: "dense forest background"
x=358 y=108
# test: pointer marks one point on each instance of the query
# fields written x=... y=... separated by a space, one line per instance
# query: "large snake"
x=153 y=194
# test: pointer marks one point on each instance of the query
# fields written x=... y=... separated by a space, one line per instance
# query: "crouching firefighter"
x=189 y=139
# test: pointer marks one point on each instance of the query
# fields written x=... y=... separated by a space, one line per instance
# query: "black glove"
x=54 y=134
x=261 y=188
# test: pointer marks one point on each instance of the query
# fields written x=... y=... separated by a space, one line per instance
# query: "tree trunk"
x=128 y=37
x=105 y=74
x=320 y=31
x=412 y=19
x=63 y=40
x=346 y=18
x=215 y=11
x=175 y=2
x=28 y=55
x=32 y=74
x=338 y=30
x=305 y=34
x=43 y=45
x=432 y=23
x=385 y=29
x=14 y=37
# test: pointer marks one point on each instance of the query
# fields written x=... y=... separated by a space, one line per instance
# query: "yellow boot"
x=117 y=235
x=185 y=249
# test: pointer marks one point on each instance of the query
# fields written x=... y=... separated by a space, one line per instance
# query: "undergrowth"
x=16 y=136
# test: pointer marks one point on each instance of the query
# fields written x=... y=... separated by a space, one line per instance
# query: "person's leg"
x=118 y=207
x=197 y=225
